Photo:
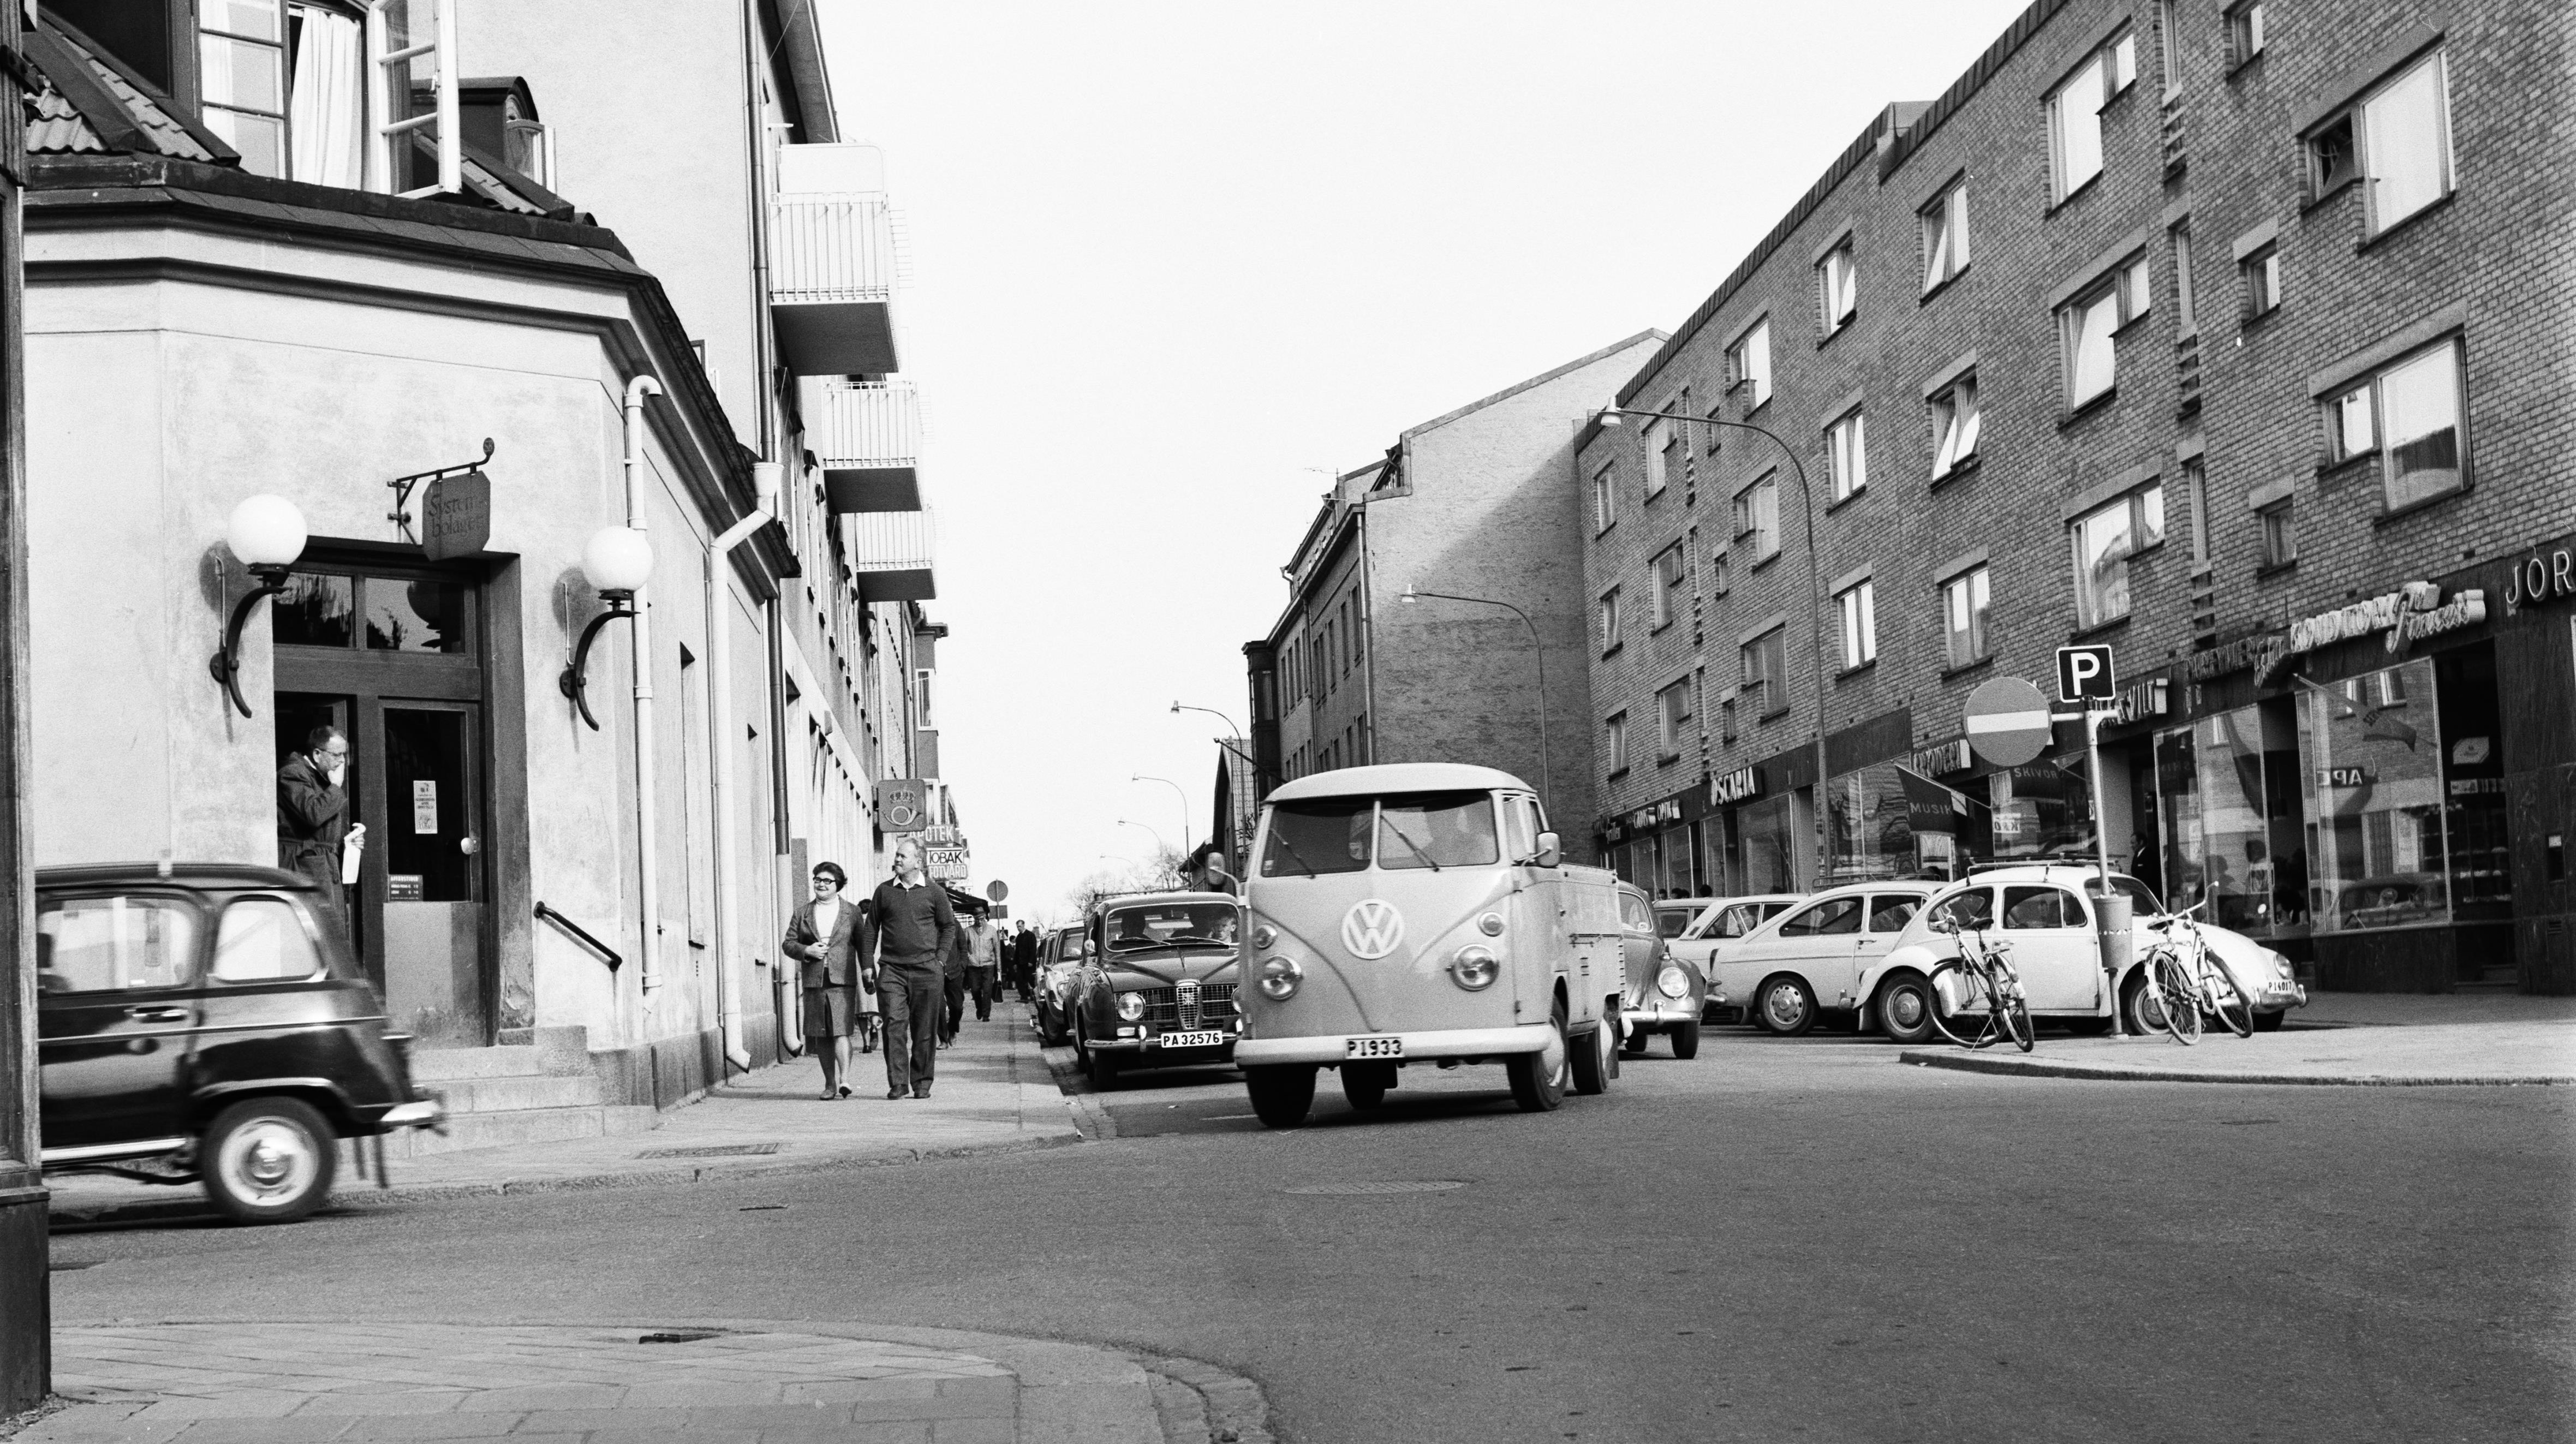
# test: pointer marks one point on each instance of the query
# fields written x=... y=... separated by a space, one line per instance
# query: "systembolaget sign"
x=2413 y=611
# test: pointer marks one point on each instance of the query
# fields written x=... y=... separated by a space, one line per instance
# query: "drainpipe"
x=765 y=485
x=647 y=823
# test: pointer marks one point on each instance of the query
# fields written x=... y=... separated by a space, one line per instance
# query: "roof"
x=1390 y=777
x=1183 y=895
x=1541 y=379
x=182 y=874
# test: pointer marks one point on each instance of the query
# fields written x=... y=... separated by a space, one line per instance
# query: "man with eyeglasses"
x=313 y=813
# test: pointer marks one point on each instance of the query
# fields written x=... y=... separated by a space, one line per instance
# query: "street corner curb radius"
x=1976 y=1063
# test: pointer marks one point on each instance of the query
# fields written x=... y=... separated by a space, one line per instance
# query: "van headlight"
x=1263 y=935
x=1279 y=978
x=1672 y=982
x=1475 y=967
x=1131 y=1006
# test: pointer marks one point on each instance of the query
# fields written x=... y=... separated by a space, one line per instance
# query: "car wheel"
x=1538 y=1079
x=2270 y=1022
x=1636 y=1043
x=1281 y=1094
x=1364 y=1086
x=1103 y=1069
x=1685 y=1040
x=1786 y=1006
x=2139 y=1015
x=1595 y=1058
x=2086 y=1027
x=1905 y=1008
x=268 y=1160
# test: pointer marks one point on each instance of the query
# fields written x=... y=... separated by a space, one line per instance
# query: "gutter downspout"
x=647 y=821
x=765 y=486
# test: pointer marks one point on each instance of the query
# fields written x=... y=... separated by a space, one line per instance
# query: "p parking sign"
x=2084 y=675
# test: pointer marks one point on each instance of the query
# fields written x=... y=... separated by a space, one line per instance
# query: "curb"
x=1089 y=1113
x=1202 y=1404
x=1975 y=1063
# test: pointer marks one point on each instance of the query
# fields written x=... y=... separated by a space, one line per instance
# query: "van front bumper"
x=1427 y=1043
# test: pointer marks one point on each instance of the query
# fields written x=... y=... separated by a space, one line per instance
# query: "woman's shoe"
x=845 y=1090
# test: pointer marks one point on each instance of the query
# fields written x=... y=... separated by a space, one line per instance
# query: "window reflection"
x=415 y=615
x=315 y=610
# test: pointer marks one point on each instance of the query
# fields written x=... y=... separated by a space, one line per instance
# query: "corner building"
x=2236 y=339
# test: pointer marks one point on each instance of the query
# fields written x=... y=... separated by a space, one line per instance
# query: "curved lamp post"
x=617 y=562
x=1177 y=792
x=1613 y=416
x=266 y=534
x=1158 y=837
x=1546 y=772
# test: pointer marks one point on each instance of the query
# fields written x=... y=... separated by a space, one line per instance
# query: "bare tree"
x=1161 y=873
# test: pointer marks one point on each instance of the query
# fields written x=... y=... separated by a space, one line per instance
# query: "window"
x=1726 y=717
x=1847 y=455
x=1715 y=431
x=2280 y=535
x=2186 y=306
x=1614 y=743
x=1764 y=671
x=1748 y=364
x=2105 y=538
x=284 y=84
x=921 y=689
x=1671 y=600
x=1673 y=714
x=2041 y=907
x=1955 y=425
x=263 y=940
x=1661 y=454
x=1889 y=913
x=1604 y=501
x=2195 y=485
x=1858 y=610
x=1829 y=918
x=1721 y=578
x=2397 y=139
x=1757 y=515
x=2410 y=415
x=1837 y=290
x=2244 y=32
x=1610 y=621
x=2087 y=325
x=2168 y=45
x=241 y=76
x=1964 y=602
x=1436 y=830
x=1945 y=236
x=2259 y=278
x=2074 y=114
x=104 y=944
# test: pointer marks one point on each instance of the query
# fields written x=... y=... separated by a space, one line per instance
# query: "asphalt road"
x=1780 y=1240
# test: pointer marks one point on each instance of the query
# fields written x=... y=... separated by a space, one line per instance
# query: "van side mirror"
x=1550 y=853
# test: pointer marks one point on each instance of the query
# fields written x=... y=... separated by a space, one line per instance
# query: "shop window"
x=1956 y=423
x=1965 y=601
x=1769 y=846
x=1677 y=879
x=2034 y=811
x=2228 y=820
x=1869 y=836
x=1857 y=610
x=2104 y=541
x=1847 y=455
x=2088 y=325
x=1944 y=229
x=1757 y=517
x=2409 y=415
x=2075 y=114
x=1837 y=290
x=1748 y=365
x=2396 y=139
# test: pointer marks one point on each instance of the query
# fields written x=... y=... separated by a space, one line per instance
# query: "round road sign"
x=2008 y=721
x=997 y=890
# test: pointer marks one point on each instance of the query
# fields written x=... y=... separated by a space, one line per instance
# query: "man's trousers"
x=910 y=999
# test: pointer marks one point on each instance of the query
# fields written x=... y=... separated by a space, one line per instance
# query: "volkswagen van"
x=1420 y=913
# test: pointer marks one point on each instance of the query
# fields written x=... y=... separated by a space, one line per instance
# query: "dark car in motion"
x=1156 y=989
x=204 y=1022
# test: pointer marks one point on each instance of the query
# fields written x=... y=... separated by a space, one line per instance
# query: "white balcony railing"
x=832 y=247
x=890 y=555
x=866 y=425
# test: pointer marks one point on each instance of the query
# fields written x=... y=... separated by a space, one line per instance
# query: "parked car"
x=1059 y=964
x=1661 y=993
x=1674 y=915
x=1808 y=961
x=2046 y=912
x=1157 y=983
x=1721 y=922
x=204 y=1022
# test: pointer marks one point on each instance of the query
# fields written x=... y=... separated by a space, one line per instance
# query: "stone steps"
x=543 y=1091
x=522 y=1125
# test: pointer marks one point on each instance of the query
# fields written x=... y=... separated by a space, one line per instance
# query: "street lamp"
x=1546 y=773
x=266 y=535
x=1612 y=416
x=1158 y=837
x=617 y=562
x=1177 y=792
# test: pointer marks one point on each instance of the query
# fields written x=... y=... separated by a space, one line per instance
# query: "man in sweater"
x=916 y=931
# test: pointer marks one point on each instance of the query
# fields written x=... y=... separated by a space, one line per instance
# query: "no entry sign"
x=2008 y=721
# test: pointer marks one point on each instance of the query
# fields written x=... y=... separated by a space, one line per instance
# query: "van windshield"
x=1419 y=830
x=1327 y=834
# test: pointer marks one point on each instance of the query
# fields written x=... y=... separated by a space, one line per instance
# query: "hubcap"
x=1905 y=1005
x=1782 y=1006
x=268 y=1162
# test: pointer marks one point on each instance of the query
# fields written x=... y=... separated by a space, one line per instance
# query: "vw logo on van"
x=1372 y=928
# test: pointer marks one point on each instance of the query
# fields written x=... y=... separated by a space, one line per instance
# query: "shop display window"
x=2043 y=809
x=1873 y=837
x=2228 y=811
x=1769 y=843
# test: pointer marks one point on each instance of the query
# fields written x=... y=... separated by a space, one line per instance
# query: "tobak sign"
x=2084 y=675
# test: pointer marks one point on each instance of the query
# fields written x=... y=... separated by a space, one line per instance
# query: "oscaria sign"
x=2415 y=611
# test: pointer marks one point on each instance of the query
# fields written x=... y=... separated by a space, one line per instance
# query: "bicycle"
x=2185 y=986
x=1987 y=988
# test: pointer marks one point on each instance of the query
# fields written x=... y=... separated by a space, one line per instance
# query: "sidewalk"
x=731 y=1382
x=2355 y=1039
x=993 y=1094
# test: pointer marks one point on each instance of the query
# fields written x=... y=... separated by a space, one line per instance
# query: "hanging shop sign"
x=2543 y=576
x=2414 y=611
x=903 y=805
x=945 y=864
x=456 y=516
x=1742 y=785
x=1951 y=756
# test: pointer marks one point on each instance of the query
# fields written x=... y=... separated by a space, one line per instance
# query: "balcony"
x=867 y=435
x=833 y=262
x=889 y=554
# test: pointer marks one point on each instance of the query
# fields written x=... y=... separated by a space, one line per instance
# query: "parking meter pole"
x=2112 y=909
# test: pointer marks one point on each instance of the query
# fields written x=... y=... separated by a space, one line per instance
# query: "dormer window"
x=284 y=83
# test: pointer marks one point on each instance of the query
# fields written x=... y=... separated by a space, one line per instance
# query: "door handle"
x=158 y=1015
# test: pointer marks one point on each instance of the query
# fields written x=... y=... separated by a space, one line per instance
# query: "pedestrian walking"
x=916 y=931
x=952 y=993
x=1024 y=962
x=983 y=963
x=313 y=826
x=833 y=942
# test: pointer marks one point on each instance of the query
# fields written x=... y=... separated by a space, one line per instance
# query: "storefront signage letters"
x=2144 y=700
x=2472 y=786
x=2415 y=610
x=1736 y=786
x=2259 y=653
x=2343 y=777
x=456 y=516
x=1951 y=756
x=2549 y=577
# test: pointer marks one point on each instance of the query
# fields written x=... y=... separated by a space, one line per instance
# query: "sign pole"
x=2102 y=856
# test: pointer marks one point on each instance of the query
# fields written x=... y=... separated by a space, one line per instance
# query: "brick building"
x=2236 y=339
x=1480 y=503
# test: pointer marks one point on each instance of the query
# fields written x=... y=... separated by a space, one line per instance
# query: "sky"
x=1173 y=265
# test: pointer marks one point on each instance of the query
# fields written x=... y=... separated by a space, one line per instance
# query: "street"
x=1781 y=1239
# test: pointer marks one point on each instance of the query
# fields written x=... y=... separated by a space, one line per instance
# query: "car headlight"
x=1263 y=936
x=1475 y=967
x=1672 y=982
x=1491 y=925
x=1279 y=978
x=1131 y=1006
x=2281 y=968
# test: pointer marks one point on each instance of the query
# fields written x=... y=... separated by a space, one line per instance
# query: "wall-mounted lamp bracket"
x=227 y=663
x=400 y=516
x=620 y=604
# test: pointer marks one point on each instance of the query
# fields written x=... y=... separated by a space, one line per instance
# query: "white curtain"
x=328 y=110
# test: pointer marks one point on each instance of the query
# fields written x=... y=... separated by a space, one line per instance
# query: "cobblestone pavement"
x=780 y=1383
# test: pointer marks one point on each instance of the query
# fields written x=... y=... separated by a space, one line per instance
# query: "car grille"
x=1165 y=1006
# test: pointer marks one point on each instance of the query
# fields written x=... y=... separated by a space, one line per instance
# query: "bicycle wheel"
x=2015 y=1015
x=1973 y=1025
x=2177 y=998
x=2229 y=1004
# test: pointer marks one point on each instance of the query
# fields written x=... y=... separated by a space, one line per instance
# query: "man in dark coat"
x=313 y=812
x=1024 y=961
x=916 y=933
x=834 y=941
